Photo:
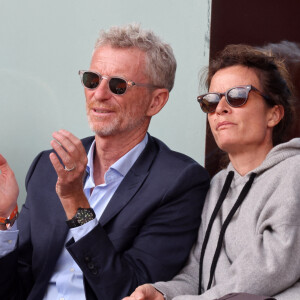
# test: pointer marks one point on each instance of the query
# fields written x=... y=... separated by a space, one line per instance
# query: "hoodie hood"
x=277 y=154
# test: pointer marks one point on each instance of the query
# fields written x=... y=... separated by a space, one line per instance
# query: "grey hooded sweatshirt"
x=260 y=252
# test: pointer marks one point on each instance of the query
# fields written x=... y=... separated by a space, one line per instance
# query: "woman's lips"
x=224 y=125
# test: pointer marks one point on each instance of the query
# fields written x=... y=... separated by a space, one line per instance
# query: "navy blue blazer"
x=144 y=235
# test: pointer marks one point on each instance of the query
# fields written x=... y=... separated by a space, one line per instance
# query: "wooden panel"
x=257 y=23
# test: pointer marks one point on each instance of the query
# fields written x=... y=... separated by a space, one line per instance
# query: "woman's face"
x=245 y=128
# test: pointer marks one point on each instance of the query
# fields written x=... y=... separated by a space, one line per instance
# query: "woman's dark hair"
x=273 y=76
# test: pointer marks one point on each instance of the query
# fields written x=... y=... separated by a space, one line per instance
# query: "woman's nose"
x=223 y=106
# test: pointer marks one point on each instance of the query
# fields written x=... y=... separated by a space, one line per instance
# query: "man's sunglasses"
x=117 y=85
x=235 y=97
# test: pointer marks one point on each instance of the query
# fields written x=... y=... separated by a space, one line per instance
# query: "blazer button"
x=91 y=266
x=94 y=271
x=87 y=259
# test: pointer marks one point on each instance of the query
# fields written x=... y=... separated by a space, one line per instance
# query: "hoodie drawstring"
x=221 y=199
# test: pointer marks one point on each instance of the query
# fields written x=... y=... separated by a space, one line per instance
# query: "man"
x=132 y=205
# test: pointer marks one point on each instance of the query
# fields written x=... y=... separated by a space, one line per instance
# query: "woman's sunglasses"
x=235 y=97
x=117 y=85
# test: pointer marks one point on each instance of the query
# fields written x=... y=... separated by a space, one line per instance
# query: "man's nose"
x=102 y=91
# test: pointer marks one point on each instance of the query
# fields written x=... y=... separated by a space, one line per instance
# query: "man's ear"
x=159 y=98
x=275 y=116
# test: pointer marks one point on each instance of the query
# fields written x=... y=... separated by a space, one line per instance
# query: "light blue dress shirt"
x=66 y=282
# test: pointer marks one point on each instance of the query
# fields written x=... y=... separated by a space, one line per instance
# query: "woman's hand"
x=145 y=292
x=9 y=189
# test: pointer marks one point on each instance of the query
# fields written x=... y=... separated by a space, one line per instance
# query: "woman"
x=249 y=240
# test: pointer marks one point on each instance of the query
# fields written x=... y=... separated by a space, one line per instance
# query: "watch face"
x=84 y=215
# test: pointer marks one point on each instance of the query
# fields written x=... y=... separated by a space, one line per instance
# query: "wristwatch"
x=82 y=216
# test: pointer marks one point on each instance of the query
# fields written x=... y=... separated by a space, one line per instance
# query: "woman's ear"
x=158 y=100
x=276 y=114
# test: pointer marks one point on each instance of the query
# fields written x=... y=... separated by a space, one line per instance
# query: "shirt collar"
x=123 y=164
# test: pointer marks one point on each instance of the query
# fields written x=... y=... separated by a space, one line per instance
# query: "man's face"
x=110 y=114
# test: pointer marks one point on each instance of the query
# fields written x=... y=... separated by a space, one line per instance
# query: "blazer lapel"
x=131 y=182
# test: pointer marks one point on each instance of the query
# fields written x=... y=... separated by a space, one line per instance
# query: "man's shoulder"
x=171 y=164
x=169 y=155
x=88 y=140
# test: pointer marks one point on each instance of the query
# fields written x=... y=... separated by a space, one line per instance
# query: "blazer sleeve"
x=160 y=247
x=16 y=277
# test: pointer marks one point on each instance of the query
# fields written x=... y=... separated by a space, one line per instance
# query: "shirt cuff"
x=8 y=240
x=80 y=231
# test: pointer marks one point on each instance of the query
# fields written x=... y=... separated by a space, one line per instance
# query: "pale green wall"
x=45 y=43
